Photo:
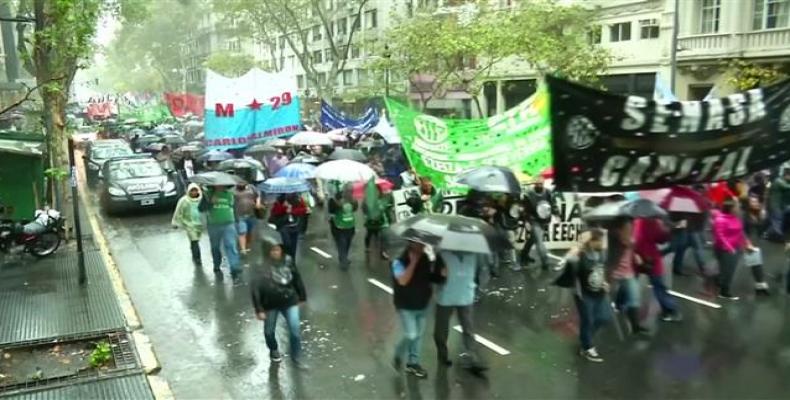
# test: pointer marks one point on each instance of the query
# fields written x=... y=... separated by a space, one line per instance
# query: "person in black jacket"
x=277 y=288
x=412 y=275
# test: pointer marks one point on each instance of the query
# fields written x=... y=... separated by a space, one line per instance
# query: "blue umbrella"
x=284 y=186
x=297 y=171
x=215 y=155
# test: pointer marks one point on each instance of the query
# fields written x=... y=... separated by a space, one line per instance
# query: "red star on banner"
x=255 y=106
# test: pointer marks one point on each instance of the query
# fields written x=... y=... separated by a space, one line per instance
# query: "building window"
x=354 y=51
x=710 y=13
x=620 y=32
x=371 y=20
x=648 y=29
x=322 y=78
x=342 y=26
x=317 y=57
x=300 y=81
x=594 y=34
x=282 y=62
x=317 y=33
x=362 y=76
x=291 y=62
x=234 y=45
x=328 y=55
x=770 y=14
x=348 y=78
x=342 y=52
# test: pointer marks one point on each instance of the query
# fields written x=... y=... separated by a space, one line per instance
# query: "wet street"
x=211 y=346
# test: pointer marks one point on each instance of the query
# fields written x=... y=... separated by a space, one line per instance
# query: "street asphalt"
x=211 y=346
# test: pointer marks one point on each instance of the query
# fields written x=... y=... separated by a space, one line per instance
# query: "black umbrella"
x=215 y=155
x=155 y=147
x=453 y=233
x=640 y=208
x=261 y=148
x=239 y=163
x=216 y=178
x=491 y=179
x=348 y=154
x=188 y=149
x=307 y=159
x=174 y=140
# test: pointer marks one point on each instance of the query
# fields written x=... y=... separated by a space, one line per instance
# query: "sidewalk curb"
x=151 y=366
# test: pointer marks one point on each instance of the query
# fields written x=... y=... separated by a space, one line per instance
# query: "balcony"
x=754 y=44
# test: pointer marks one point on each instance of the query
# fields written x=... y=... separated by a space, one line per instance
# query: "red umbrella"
x=358 y=189
x=679 y=199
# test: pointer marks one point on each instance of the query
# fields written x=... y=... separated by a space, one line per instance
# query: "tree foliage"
x=230 y=64
x=149 y=52
x=744 y=75
x=293 y=22
x=460 y=48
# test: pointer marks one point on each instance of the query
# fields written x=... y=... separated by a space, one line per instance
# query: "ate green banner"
x=441 y=148
x=151 y=112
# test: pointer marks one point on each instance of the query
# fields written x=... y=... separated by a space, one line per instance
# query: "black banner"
x=605 y=142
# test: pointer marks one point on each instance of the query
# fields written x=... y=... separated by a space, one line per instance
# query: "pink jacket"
x=727 y=232
x=648 y=233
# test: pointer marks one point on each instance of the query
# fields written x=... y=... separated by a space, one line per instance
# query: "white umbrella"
x=344 y=171
x=310 y=138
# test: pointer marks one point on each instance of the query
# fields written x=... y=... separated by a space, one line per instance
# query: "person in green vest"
x=218 y=204
x=431 y=197
x=377 y=208
x=342 y=220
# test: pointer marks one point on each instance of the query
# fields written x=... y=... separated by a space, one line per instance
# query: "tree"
x=149 y=53
x=297 y=23
x=744 y=75
x=59 y=44
x=458 y=48
x=230 y=64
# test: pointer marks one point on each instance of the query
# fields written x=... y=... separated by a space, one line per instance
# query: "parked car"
x=136 y=182
x=98 y=152
x=84 y=135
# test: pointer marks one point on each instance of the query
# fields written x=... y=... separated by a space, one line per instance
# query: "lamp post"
x=387 y=55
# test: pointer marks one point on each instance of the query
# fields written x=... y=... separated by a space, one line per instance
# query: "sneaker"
x=729 y=297
x=275 y=356
x=397 y=363
x=591 y=355
x=417 y=370
x=672 y=317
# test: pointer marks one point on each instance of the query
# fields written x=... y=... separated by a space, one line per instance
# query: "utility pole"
x=673 y=62
x=75 y=203
x=387 y=55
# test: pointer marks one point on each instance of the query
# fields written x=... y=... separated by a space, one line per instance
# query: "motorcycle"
x=40 y=237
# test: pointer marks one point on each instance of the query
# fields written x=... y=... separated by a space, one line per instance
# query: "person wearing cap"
x=277 y=289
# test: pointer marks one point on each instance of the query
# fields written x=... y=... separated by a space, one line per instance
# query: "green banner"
x=441 y=148
x=151 y=112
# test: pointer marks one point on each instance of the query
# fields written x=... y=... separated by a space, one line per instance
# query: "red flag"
x=182 y=103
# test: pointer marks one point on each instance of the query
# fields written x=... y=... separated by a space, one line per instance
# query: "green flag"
x=152 y=112
x=440 y=148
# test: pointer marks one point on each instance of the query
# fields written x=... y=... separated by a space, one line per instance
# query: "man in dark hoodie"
x=277 y=288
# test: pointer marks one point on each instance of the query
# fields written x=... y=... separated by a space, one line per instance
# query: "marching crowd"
x=603 y=270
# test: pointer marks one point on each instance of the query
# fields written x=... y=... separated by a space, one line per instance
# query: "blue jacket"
x=458 y=288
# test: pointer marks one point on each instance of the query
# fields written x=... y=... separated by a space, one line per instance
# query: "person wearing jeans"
x=412 y=276
x=287 y=213
x=685 y=235
x=218 y=203
x=649 y=233
x=277 y=289
x=542 y=206
x=729 y=241
x=456 y=293
x=343 y=223
x=622 y=261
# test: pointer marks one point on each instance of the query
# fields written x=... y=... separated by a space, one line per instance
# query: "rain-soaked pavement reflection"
x=211 y=346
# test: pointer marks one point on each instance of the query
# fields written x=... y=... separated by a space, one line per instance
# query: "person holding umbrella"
x=412 y=276
x=343 y=223
x=287 y=214
x=542 y=206
x=218 y=204
x=246 y=201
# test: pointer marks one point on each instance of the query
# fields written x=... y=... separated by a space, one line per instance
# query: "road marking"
x=321 y=252
x=376 y=282
x=485 y=342
x=479 y=339
x=694 y=299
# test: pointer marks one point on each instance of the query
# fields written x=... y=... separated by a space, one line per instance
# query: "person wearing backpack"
x=377 y=213
x=343 y=224
x=277 y=289
x=585 y=274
